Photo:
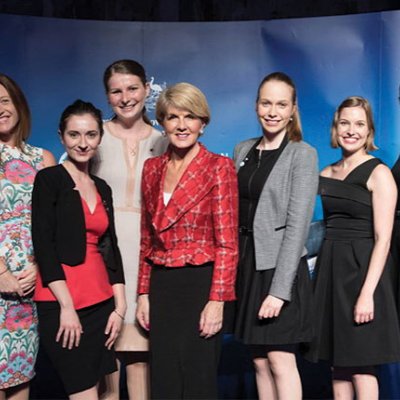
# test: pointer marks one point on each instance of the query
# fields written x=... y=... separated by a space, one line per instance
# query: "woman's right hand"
x=364 y=309
x=70 y=329
x=271 y=307
x=9 y=284
x=143 y=311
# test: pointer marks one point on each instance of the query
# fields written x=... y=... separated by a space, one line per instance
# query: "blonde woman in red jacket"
x=189 y=250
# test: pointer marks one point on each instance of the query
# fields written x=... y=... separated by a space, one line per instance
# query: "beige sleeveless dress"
x=120 y=165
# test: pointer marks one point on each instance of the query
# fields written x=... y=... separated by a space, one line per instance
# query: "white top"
x=167 y=197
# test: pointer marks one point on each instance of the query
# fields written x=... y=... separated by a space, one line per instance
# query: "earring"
x=163 y=133
x=201 y=131
x=291 y=119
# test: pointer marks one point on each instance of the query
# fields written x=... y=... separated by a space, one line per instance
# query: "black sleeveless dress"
x=341 y=269
x=395 y=246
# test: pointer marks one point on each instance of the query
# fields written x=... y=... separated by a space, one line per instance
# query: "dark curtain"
x=191 y=10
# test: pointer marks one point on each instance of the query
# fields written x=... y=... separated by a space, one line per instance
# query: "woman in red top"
x=80 y=291
x=189 y=250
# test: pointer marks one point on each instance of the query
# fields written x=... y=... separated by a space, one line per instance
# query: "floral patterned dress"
x=18 y=318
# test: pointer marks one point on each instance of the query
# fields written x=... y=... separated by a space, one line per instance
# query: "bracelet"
x=6 y=270
x=119 y=315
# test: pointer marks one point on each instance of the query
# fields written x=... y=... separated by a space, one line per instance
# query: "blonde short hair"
x=183 y=96
x=355 y=101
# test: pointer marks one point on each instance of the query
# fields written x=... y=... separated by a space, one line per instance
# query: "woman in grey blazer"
x=278 y=179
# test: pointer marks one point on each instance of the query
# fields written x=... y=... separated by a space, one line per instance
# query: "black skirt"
x=293 y=325
x=183 y=365
x=81 y=367
x=341 y=270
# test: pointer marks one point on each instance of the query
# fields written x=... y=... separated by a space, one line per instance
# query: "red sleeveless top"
x=87 y=282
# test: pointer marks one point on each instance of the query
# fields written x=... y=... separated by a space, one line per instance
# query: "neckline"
x=265 y=151
x=164 y=162
x=91 y=212
x=350 y=173
x=9 y=146
x=73 y=187
x=125 y=139
x=283 y=143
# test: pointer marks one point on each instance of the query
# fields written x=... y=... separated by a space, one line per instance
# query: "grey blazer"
x=284 y=212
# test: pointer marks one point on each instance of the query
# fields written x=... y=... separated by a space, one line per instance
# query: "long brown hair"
x=128 y=67
x=23 y=127
x=294 y=126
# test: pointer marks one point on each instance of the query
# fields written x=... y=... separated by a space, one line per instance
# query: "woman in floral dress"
x=19 y=163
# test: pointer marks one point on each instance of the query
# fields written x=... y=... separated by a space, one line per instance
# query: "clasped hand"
x=21 y=284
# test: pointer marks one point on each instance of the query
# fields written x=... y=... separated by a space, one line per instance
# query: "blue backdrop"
x=56 y=61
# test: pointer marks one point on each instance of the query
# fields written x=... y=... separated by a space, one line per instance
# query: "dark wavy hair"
x=80 y=107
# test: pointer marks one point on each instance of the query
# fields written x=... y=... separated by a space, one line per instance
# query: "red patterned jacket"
x=199 y=223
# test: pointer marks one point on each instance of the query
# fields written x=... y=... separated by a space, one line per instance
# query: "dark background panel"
x=192 y=10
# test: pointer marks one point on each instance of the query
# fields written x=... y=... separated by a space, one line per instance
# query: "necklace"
x=133 y=141
x=132 y=149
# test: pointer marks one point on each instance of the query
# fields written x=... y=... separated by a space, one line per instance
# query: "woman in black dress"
x=395 y=246
x=357 y=326
x=278 y=180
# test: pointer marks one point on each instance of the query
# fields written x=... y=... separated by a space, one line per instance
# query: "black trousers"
x=183 y=365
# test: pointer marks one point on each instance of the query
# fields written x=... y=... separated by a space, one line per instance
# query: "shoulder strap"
x=361 y=174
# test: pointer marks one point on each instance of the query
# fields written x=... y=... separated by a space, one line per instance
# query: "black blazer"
x=58 y=226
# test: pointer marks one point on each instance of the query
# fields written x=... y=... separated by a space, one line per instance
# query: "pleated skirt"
x=295 y=322
x=340 y=273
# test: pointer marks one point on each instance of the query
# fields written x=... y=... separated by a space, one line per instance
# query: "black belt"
x=243 y=230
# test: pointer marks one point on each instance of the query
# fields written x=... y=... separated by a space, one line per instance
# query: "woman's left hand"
x=27 y=279
x=364 y=309
x=113 y=328
x=211 y=318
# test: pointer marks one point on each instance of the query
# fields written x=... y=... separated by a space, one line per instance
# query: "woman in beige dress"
x=129 y=139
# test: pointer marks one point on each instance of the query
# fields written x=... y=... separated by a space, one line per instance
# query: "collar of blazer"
x=99 y=183
x=196 y=182
x=243 y=149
